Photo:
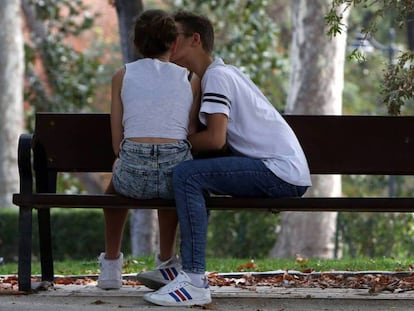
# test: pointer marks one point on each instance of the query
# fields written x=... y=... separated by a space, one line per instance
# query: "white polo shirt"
x=255 y=128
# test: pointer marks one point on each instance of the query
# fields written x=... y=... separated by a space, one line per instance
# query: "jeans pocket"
x=134 y=183
x=166 y=190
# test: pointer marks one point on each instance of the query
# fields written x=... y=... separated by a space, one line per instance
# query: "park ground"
x=255 y=297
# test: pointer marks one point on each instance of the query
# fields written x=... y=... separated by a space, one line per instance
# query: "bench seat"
x=307 y=204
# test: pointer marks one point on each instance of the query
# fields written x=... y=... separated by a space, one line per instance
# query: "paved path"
x=229 y=298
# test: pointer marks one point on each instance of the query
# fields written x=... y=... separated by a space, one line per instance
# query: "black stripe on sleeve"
x=216 y=98
x=216 y=101
x=216 y=95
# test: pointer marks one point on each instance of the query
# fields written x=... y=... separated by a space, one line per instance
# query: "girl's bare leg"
x=167 y=221
x=114 y=227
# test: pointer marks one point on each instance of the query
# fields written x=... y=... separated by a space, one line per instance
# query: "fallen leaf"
x=98 y=302
x=247 y=266
x=300 y=259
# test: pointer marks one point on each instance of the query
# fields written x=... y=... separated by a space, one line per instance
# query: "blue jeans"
x=144 y=171
x=235 y=176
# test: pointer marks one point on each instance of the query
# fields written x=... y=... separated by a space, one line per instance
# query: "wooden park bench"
x=68 y=142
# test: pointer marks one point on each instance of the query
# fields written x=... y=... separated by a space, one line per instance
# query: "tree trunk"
x=126 y=11
x=410 y=30
x=316 y=84
x=11 y=97
x=144 y=232
x=143 y=223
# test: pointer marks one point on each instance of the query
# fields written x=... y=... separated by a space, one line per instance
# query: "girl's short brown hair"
x=154 y=32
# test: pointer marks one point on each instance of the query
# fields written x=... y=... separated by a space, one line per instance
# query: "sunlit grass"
x=135 y=265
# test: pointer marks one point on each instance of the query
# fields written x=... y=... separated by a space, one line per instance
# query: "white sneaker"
x=110 y=276
x=180 y=292
x=163 y=274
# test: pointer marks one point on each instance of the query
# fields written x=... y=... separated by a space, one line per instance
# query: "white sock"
x=159 y=262
x=197 y=279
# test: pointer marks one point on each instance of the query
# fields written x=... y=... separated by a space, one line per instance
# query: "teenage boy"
x=266 y=160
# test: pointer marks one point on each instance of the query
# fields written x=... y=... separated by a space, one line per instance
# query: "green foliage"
x=373 y=234
x=363 y=80
x=247 y=37
x=79 y=234
x=69 y=184
x=398 y=86
x=376 y=234
x=241 y=234
x=8 y=234
x=366 y=88
x=67 y=81
x=76 y=234
x=380 y=9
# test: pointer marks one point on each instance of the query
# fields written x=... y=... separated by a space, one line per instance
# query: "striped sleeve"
x=214 y=103
x=216 y=98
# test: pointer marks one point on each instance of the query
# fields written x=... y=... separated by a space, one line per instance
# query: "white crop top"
x=156 y=98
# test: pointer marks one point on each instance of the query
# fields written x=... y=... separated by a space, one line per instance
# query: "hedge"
x=77 y=234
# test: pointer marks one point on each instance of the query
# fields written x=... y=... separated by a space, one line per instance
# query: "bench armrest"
x=24 y=159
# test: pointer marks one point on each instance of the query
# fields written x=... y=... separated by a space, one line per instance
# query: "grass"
x=134 y=265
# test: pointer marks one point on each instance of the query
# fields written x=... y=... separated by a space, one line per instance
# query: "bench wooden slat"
x=333 y=144
x=379 y=145
x=307 y=204
x=74 y=142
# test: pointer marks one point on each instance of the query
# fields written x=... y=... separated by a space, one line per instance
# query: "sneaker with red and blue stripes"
x=180 y=292
x=162 y=275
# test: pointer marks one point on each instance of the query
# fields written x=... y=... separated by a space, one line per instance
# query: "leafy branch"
x=246 y=35
x=59 y=77
x=398 y=84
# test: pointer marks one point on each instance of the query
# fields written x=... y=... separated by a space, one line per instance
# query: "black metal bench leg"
x=45 y=244
x=25 y=248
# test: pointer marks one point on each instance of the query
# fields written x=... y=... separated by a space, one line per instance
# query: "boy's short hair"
x=200 y=24
x=154 y=32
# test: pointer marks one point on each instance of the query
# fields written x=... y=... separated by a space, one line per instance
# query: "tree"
x=368 y=234
x=59 y=85
x=11 y=97
x=143 y=223
x=316 y=84
x=398 y=83
x=246 y=37
x=410 y=31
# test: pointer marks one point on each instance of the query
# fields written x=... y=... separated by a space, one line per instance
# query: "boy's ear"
x=173 y=47
x=196 y=38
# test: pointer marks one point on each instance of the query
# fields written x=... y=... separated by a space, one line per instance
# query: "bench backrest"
x=382 y=145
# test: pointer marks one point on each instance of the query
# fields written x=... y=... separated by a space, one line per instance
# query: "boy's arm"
x=194 y=124
x=213 y=138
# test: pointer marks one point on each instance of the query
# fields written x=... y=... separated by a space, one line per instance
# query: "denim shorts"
x=144 y=171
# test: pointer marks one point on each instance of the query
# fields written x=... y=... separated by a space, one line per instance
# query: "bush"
x=76 y=234
x=79 y=234
x=8 y=234
x=241 y=234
